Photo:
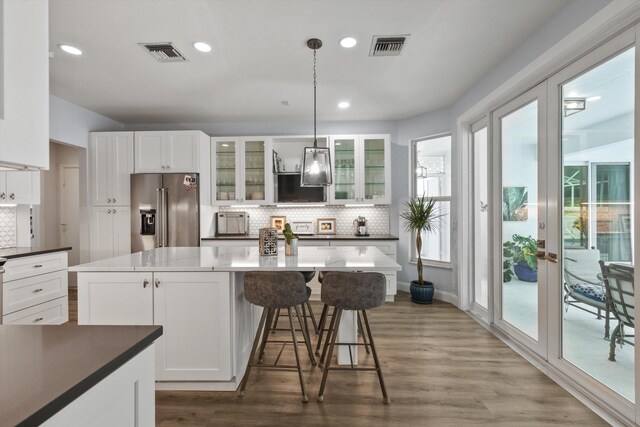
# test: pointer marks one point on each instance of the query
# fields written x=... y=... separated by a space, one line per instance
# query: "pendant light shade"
x=316 y=161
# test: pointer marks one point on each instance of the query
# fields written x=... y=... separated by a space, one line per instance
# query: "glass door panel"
x=597 y=134
x=374 y=169
x=345 y=176
x=481 y=217
x=519 y=135
x=225 y=169
x=254 y=171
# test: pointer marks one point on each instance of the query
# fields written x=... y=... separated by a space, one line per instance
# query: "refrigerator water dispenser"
x=147 y=222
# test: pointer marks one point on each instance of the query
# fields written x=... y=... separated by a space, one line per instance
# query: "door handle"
x=551 y=257
x=35 y=291
x=157 y=282
x=12 y=196
x=37 y=266
x=3 y=196
x=145 y=283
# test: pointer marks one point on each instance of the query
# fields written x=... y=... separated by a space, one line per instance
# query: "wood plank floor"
x=441 y=369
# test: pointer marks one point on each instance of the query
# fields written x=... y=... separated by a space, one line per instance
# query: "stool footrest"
x=344 y=368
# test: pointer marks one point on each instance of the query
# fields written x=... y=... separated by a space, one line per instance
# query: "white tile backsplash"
x=377 y=216
x=8 y=223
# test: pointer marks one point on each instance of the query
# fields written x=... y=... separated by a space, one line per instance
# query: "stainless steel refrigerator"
x=164 y=210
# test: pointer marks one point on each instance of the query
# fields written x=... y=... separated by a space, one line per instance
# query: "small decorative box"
x=268 y=241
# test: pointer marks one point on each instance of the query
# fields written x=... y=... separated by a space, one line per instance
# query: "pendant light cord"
x=315 y=83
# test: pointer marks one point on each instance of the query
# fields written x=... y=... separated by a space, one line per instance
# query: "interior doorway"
x=58 y=223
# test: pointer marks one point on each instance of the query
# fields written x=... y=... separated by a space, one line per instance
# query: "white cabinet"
x=241 y=171
x=192 y=307
x=361 y=169
x=110 y=231
x=167 y=151
x=111 y=167
x=24 y=83
x=20 y=187
x=35 y=290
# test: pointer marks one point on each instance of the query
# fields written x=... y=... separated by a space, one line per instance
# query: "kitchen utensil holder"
x=268 y=242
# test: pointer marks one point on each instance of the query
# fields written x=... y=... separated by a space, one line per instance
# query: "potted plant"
x=519 y=256
x=290 y=241
x=421 y=216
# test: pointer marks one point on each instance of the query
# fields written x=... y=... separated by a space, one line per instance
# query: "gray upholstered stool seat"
x=275 y=291
x=357 y=292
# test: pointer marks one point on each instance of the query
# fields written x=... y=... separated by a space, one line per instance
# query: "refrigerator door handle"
x=165 y=216
x=159 y=218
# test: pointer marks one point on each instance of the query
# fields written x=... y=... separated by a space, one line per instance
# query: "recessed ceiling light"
x=348 y=42
x=594 y=98
x=202 y=47
x=343 y=105
x=70 y=49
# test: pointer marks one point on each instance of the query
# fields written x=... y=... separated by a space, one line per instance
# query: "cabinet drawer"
x=30 y=291
x=19 y=268
x=54 y=312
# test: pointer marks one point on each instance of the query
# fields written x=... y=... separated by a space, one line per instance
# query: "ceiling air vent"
x=388 y=45
x=164 y=52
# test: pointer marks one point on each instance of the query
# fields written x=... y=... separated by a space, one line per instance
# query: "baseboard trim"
x=444 y=296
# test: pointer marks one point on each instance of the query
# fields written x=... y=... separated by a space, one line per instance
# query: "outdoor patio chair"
x=583 y=284
x=618 y=280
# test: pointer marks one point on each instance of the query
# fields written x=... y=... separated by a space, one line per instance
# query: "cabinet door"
x=195 y=313
x=100 y=169
x=121 y=230
x=182 y=152
x=255 y=171
x=345 y=188
x=150 y=152
x=22 y=188
x=225 y=169
x=121 y=160
x=3 y=187
x=102 y=243
x=375 y=172
x=115 y=299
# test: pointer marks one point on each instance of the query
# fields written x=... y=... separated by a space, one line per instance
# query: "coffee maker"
x=361 y=226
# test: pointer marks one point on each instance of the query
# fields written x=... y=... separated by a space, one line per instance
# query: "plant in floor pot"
x=519 y=255
x=290 y=241
x=421 y=216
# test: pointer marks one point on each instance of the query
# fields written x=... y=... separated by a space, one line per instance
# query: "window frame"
x=413 y=259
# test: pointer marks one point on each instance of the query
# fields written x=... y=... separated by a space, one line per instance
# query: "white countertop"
x=246 y=258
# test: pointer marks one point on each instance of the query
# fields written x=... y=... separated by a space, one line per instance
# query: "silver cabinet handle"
x=108 y=211
x=164 y=167
x=3 y=196
x=114 y=200
x=168 y=167
x=108 y=200
x=114 y=211
x=12 y=196
x=38 y=319
x=145 y=283
x=157 y=282
x=37 y=266
x=35 y=291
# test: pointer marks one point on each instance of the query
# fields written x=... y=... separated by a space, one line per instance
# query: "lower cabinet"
x=193 y=308
x=110 y=232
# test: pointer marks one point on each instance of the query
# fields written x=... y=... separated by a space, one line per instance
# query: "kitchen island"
x=197 y=295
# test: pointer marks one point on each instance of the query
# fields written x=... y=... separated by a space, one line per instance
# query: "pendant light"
x=316 y=161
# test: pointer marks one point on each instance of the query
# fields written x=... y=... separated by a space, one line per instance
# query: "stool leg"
x=305 y=399
x=323 y=320
x=304 y=317
x=385 y=397
x=333 y=334
x=243 y=384
x=313 y=317
x=364 y=336
x=330 y=334
x=307 y=340
x=265 y=336
x=275 y=322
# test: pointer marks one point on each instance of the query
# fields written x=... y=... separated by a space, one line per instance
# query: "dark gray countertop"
x=341 y=237
x=44 y=368
x=29 y=251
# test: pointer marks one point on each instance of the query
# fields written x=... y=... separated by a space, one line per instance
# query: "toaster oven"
x=232 y=223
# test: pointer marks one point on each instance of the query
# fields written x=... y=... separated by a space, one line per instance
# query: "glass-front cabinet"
x=239 y=169
x=361 y=169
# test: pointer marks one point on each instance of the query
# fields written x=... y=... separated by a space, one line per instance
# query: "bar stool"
x=272 y=291
x=358 y=292
x=307 y=311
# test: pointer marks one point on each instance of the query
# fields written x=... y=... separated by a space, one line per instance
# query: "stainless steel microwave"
x=232 y=223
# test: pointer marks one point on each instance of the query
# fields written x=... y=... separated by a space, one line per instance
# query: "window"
x=432 y=178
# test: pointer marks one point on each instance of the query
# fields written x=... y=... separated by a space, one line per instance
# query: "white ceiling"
x=260 y=56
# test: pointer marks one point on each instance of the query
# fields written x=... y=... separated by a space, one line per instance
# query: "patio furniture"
x=618 y=281
x=583 y=284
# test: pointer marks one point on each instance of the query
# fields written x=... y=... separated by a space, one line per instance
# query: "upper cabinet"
x=167 y=152
x=24 y=83
x=361 y=169
x=241 y=171
x=20 y=187
x=111 y=166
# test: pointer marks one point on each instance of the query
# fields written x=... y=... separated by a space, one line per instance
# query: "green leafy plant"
x=288 y=233
x=421 y=215
x=516 y=250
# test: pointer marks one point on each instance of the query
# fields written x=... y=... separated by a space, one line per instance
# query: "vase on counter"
x=268 y=242
x=291 y=247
